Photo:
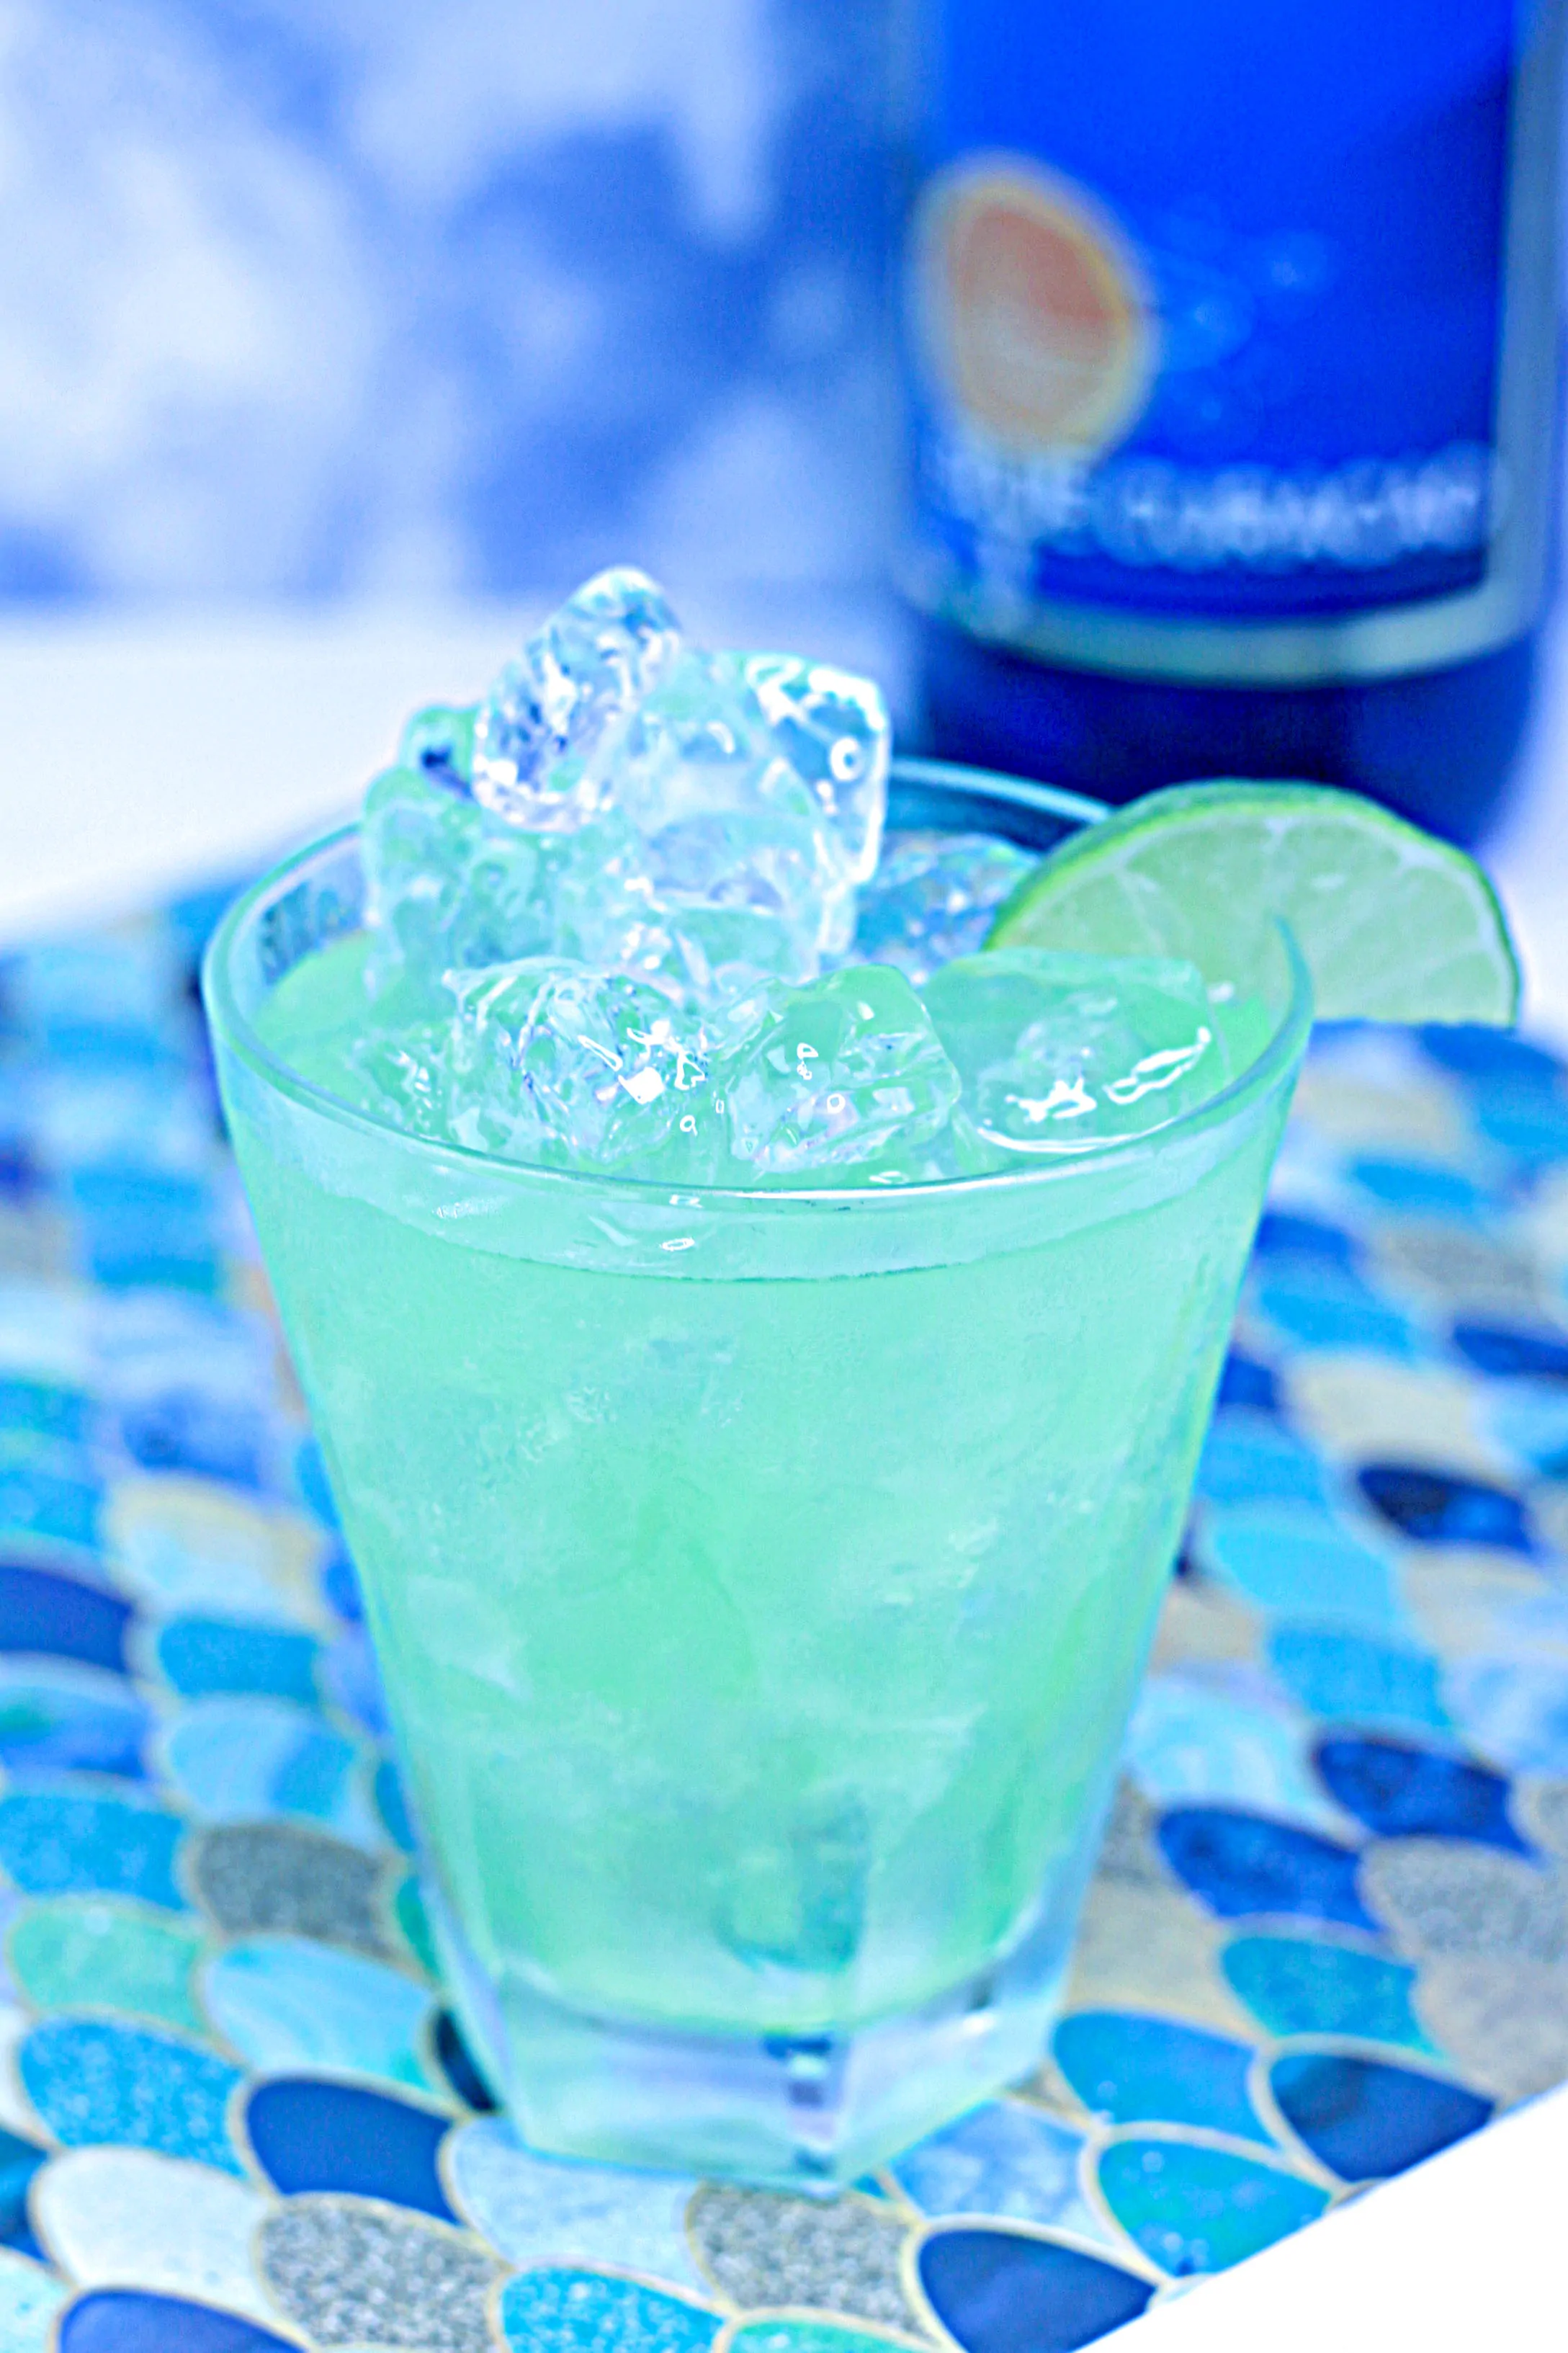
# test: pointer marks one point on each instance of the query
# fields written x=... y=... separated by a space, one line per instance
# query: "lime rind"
x=1394 y=924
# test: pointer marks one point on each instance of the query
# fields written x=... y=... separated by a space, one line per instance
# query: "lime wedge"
x=1393 y=926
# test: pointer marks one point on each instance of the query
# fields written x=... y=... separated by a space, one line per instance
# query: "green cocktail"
x=760 y=1288
x=760 y=1580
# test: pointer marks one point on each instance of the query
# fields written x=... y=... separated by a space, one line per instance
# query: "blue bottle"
x=1233 y=358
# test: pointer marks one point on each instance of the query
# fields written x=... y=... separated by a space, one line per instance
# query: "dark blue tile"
x=340 y=1585
x=1441 y=1507
x=997 y=2291
x=1243 y=1381
x=1241 y=1864
x=19 y=2160
x=459 y=2066
x=1402 y=1792
x=61 y=1617
x=308 y=2133
x=186 y=1428
x=1511 y=1351
x=1476 y=1052
x=1365 y=2118
x=126 y=2320
x=1278 y=1230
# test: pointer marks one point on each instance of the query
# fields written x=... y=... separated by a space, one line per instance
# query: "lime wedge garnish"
x=1393 y=926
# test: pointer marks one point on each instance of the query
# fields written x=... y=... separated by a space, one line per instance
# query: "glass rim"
x=238 y=1035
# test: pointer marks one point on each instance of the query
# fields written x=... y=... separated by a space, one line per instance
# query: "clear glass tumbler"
x=760 y=1580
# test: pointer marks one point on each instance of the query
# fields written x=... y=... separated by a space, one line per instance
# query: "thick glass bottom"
x=796 y=2112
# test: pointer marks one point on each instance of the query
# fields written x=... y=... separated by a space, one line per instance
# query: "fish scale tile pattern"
x=1329 y=1929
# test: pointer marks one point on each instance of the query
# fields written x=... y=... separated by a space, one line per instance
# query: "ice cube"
x=760 y=779
x=835 y=1075
x=446 y=884
x=439 y=742
x=450 y=887
x=832 y=727
x=554 y=1063
x=795 y=1897
x=1063 y=1054
x=934 y=897
x=546 y=736
x=404 y=1072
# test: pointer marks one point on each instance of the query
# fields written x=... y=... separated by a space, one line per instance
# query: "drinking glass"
x=760 y=1580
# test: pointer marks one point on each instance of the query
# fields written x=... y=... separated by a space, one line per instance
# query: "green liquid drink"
x=760 y=1284
x=760 y=1578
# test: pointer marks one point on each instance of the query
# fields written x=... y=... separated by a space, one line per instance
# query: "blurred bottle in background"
x=1232 y=339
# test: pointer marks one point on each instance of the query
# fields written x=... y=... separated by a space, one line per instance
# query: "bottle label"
x=1232 y=333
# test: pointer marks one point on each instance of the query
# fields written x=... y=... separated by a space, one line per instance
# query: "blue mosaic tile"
x=1509 y=1351
x=543 y=2209
x=799 y=2332
x=91 y=2081
x=1527 y=1123
x=1366 y=2118
x=42 y=1611
x=393 y=1806
x=1514 y=1710
x=1350 y=1679
x=42 y=1503
x=62 y=1717
x=30 y=2296
x=340 y=1585
x=996 y=2291
x=568 y=2310
x=288 y=2001
x=1138 y=2070
x=134 y=1262
x=458 y=2065
x=1249 y=1455
x=350 y=1681
x=1193 y=2209
x=311 y=1478
x=1420 y=1187
x=1473 y=1052
x=1002 y=2158
x=130 y=2320
x=1529 y=1419
x=1300 y=1985
x=1243 y=1381
x=187 y=1428
x=238 y=1758
x=1304 y=1564
x=1440 y=1508
x=1404 y=1792
x=1319 y=1306
x=46 y=1409
x=308 y=2133
x=1221 y=1735
x=1241 y=1863
x=19 y=2160
x=58 y=1842
x=1284 y=1234
x=203 y=1656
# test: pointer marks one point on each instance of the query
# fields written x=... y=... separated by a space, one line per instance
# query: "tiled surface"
x=1329 y=1933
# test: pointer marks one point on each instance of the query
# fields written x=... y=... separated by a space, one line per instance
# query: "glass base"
x=787 y=2112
